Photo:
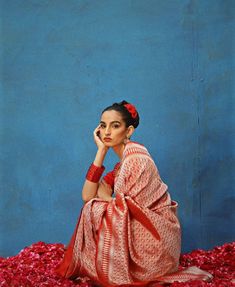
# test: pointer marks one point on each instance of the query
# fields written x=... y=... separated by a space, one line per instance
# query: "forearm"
x=89 y=190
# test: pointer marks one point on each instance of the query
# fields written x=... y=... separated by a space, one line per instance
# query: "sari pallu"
x=133 y=240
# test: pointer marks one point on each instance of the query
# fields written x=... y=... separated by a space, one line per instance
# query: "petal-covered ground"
x=34 y=266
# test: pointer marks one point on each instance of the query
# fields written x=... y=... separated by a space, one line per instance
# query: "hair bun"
x=128 y=112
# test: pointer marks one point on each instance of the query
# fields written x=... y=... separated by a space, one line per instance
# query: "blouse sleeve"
x=110 y=176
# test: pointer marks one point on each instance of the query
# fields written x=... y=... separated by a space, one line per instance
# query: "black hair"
x=126 y=115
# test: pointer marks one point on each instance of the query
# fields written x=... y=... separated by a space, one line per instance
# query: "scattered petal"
x=35 y=264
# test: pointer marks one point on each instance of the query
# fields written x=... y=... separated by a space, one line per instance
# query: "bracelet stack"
x=94 y=173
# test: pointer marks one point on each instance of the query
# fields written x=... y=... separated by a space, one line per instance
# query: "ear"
x=130 y=131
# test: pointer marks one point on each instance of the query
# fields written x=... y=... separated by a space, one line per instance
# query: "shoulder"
x=135 y=143
x=135 y=149
x=137 y=160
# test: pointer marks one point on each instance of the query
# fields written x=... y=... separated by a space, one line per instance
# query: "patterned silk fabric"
x=135 y=239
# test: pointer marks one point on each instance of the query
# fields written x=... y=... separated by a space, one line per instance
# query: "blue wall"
x=62 y=62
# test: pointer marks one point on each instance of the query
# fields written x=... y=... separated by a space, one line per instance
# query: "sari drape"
x=136 y=238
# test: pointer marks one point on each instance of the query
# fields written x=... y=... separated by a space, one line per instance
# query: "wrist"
x=100 y=156
x=102 y=150
x=94 y=173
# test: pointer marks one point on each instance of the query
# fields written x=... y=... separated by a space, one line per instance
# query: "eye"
x=116 y=126
x=102 y=126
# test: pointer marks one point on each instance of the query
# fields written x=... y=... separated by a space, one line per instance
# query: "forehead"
x=110 y=116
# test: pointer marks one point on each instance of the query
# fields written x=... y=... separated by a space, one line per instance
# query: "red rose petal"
x=35 y=264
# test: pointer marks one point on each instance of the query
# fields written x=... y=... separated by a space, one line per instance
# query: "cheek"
x=121 y=134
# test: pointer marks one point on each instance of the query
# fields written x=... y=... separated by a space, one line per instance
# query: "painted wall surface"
x=62 y=62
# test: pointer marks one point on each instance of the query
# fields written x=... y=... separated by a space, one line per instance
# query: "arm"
x=90 y=188
x=106 y=186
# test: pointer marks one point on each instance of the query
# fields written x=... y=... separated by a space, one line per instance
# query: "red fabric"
x=94 y=173
x=35 y=265
x=130 y=211
x=110 y=176
x=135 y=238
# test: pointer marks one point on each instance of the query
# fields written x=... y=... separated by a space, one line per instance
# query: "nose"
x=107 y=131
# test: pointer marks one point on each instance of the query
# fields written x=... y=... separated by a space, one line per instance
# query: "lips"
x=107 y=139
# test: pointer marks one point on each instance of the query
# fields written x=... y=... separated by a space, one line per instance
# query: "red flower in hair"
x=132 y=110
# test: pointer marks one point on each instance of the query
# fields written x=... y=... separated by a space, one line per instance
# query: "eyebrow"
x=111 y=122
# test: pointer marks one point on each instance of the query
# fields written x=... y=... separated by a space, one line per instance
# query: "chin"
x=109 y=144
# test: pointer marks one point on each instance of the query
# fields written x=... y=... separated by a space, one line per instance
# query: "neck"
x=118 y=149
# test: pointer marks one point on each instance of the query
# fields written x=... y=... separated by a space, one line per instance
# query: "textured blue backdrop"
x=62 y=62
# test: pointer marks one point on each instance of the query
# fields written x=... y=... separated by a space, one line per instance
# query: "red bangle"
x=94 y=173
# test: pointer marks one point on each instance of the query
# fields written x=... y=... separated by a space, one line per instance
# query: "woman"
x=132 y=238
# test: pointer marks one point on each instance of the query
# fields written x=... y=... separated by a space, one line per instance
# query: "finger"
x=105 y=184
x=97 y=128
x=96 y=133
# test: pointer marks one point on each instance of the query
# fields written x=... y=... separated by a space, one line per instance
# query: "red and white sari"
x=135 y=239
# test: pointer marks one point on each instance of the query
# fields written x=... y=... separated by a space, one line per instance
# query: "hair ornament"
x=132 y=110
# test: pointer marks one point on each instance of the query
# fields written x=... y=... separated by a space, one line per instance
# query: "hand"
x=98 y=140
x=104 y=191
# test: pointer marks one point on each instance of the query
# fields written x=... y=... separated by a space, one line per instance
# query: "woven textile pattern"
x=134 y=239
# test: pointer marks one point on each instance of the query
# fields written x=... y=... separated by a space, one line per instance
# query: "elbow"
x=89 y=191
x=86 y=198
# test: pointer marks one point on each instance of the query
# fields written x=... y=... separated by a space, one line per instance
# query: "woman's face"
x=113 y=129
